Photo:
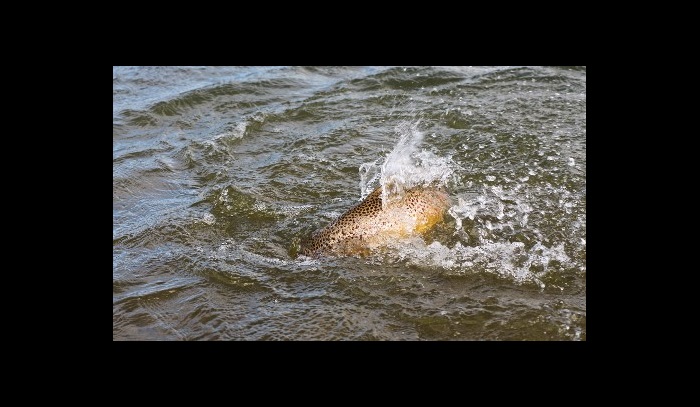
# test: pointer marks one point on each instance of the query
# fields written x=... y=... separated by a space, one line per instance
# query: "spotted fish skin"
x=367 y=226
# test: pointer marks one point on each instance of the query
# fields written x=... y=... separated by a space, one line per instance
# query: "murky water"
x=218 y=172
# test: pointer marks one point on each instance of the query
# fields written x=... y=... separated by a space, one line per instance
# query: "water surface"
x=219 y=171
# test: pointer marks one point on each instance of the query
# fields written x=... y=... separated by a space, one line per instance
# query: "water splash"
x=406 y=166
x=512 y=260
x=490 y=228
x=493 y=227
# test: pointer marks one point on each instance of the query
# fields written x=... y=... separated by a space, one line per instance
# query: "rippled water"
x=218 y=172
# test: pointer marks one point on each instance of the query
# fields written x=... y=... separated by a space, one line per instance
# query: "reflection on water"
x=218 y=172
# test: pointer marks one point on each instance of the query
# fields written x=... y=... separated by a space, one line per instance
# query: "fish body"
x=369 y=225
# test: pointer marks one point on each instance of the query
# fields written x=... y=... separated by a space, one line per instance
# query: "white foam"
x=208 y=219
x=233 y=134
x=293 y=210
x=506 y=259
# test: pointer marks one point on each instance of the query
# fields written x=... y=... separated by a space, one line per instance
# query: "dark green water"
x=219 y=171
